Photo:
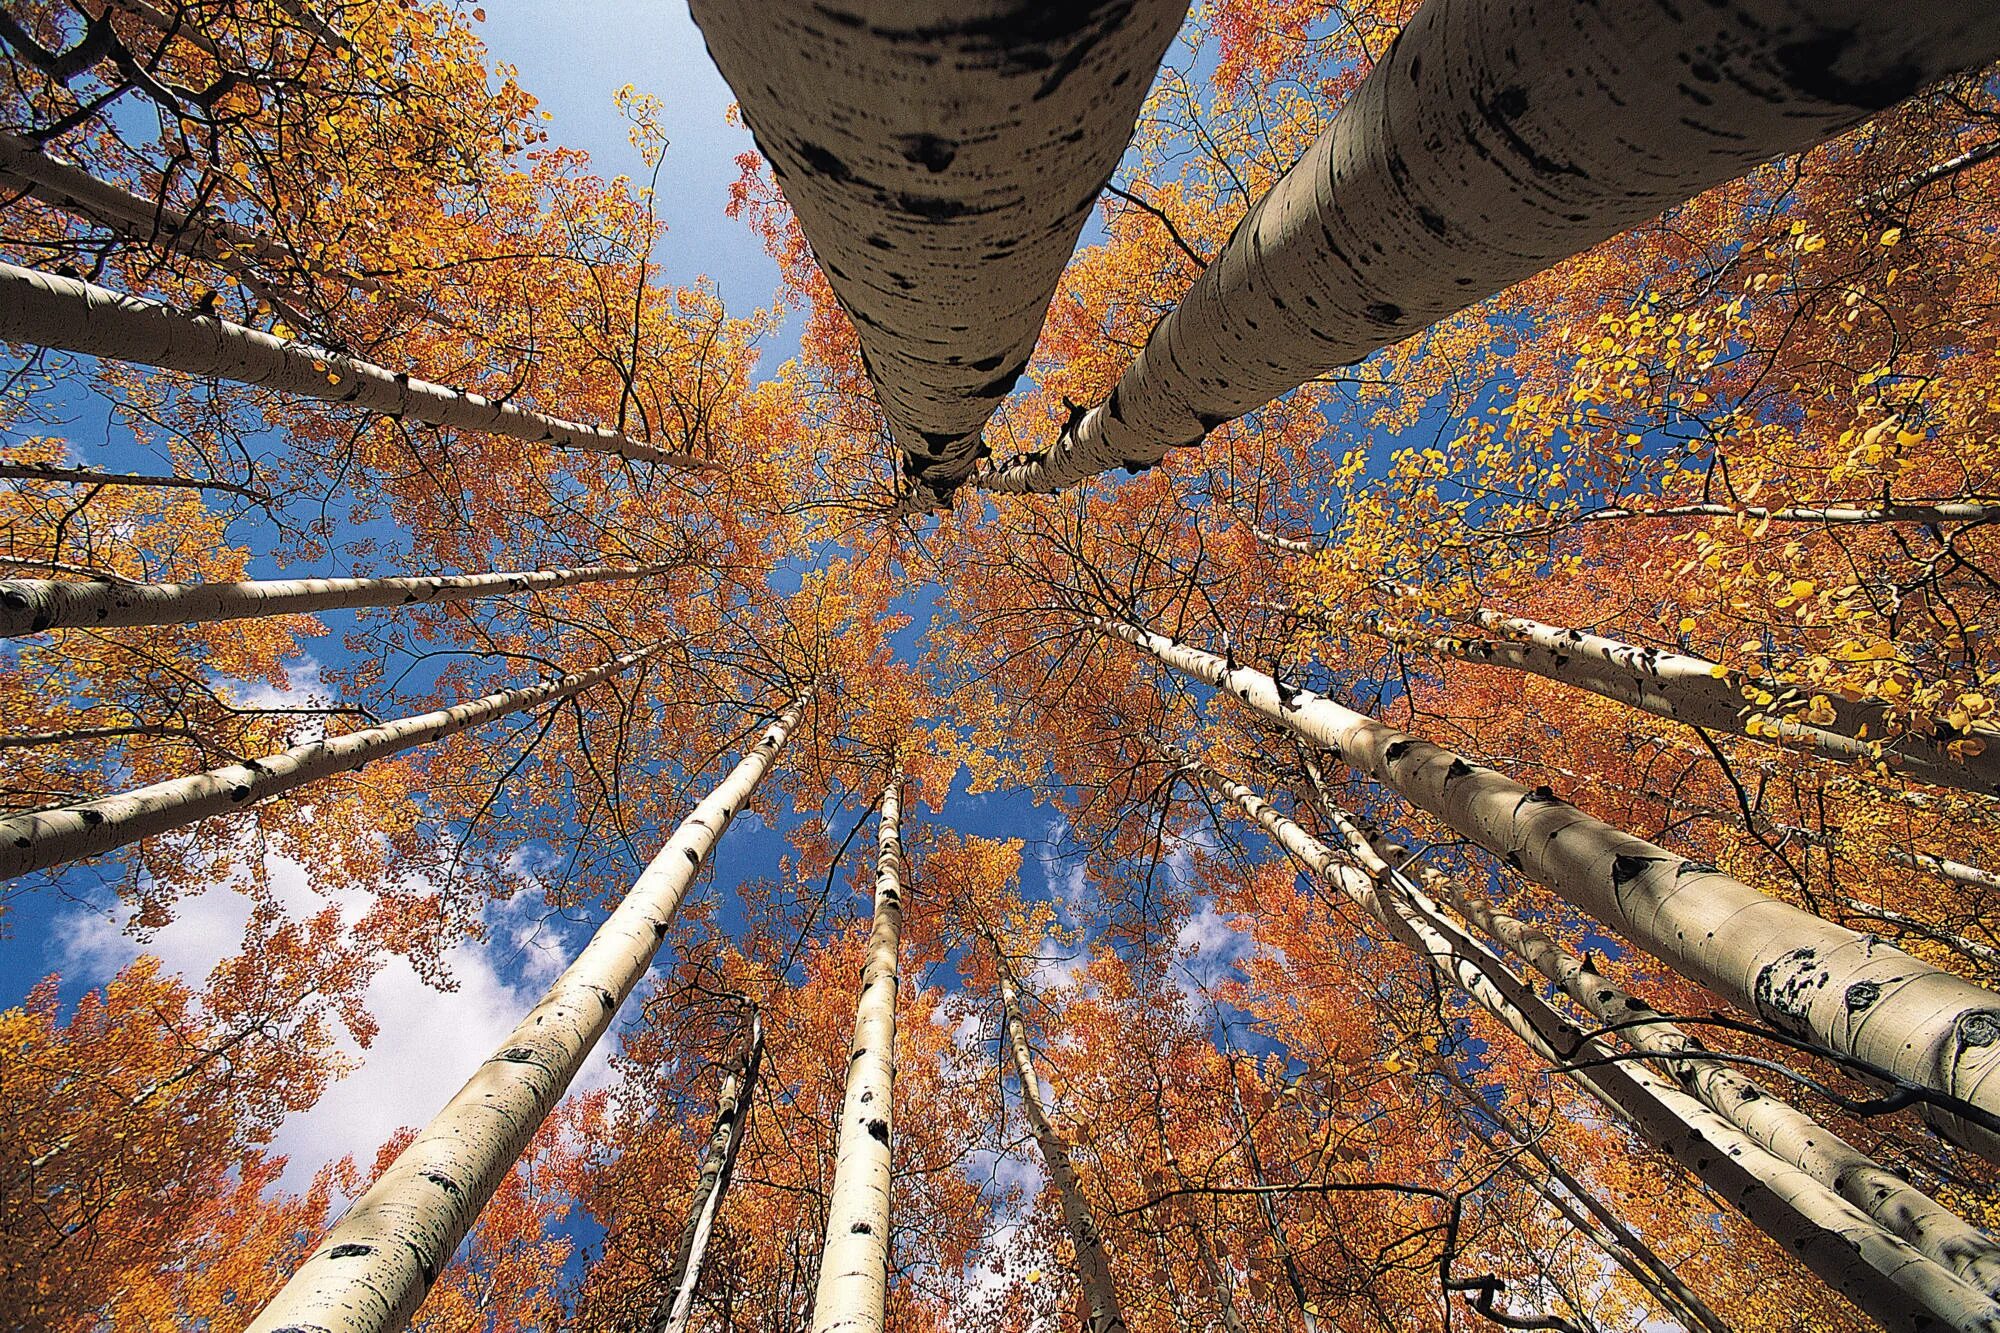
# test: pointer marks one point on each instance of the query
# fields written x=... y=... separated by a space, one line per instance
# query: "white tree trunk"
x=1847 y=991
x=1269 y=1207
x=854 y=1265
x=1093 y=1261
x=371 y=1271
x=30 y=606
x=40 y=839
x=732 y=1118
x=1825 y=1232
x=941 y=159
x=205 y=235
x=52 y=311
x=1958 y=872
x=1690 y=689
x=1777 y=1126
x=1495 y=138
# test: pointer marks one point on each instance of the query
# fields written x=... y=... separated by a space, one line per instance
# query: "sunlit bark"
x=1093 y=1262
x=732 y=1117
x=1825 y=1232
x=1491 y=141
x=40 y=839
x=29 y=606
x=1847 y=991
x=371 y=1271
x=854 y=1264
x=1686 y=688
x=48 y=310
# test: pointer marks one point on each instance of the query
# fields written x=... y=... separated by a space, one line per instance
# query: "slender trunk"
x=854 y=1264
x=732 y=1117
x=1956 y=871
x=1694 y=690
x=1592 y=1217
x=1847 y=991
x=52 y=311
x=1915 y=511
x=369 y=1273
x=40 y=839
x=1093 y=1261
x=29 y=606
x=206 y=236
x=85 y=476
x=1892 y=1281
x=1218 y=1280
x=1777 y=1126
x=1490 y=142
x=1269 y=1206
x=942 y=161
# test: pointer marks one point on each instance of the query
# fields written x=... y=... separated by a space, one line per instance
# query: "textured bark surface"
x=48 y=310
x=1494 y=139
x=1702 y=693
x=1778 y=1126
x=1093 y=1262
x=1877 y=1270
x=854 y=1265
x=1849 y=992
x=941 y=159
x=371 y=1271
x=40 y=839
x=732 y=1117
x=29 y=606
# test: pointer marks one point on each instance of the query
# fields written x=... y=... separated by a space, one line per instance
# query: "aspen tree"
x=942 y=160
x=1269 y=1207
x=1694 y=690
x=204 y=235
x=1491 y=141
x=854 y=1263
x=732 y=1118
x=370 y=1272
x=1775 y=1124
x=1848 y=992
x=1093 y=1260
x=1825 y=1232
x=1589 y=1214
x=30 y=606
x=39 y=839
x=49 y=310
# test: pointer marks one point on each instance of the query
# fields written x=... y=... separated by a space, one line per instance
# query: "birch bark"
x=1491 y=141
x=732 y=1117
x=40 y=839
x=48 y=310
x=372 y=1270
x=1093 y=1262
x=1690 y=689
x=30 y=606
x=942 y=159
x=854 y=1265
x=1847 y=991
x=1826 y=1233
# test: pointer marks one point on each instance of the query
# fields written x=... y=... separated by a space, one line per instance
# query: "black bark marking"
x=350 y=1251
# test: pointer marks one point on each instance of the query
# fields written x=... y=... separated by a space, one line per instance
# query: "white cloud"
x=430 y=1041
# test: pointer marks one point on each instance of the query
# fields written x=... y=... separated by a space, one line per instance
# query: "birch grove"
x=1773 y=960
x=1808 y=1217
x=1609 y=393
x=376 y=1265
